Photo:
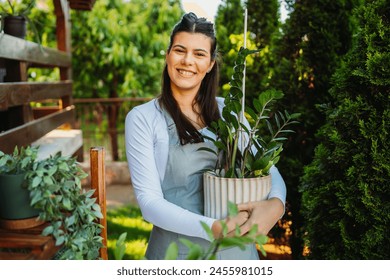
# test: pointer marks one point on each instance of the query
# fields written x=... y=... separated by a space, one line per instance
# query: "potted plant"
x=14 y=17
x=249 y=141
x=14 y=193
x=55 y=191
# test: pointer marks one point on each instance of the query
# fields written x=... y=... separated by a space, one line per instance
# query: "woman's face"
x=188 y=61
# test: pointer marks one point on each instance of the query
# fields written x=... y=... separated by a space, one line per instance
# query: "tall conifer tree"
x=315 y=37
x=346 y=195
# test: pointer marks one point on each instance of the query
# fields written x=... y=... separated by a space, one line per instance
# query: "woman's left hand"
x=231 y=224
x=264 y=214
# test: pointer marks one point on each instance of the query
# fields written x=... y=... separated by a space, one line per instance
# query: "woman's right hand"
x=231 y=223
x=264 y=214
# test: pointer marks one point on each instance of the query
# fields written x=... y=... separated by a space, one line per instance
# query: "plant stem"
x=234 y=155
x=241 y=119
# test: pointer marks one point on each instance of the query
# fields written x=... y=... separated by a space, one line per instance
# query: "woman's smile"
x=186 y=73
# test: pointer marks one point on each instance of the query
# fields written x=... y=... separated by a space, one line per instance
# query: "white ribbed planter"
x=218 y=191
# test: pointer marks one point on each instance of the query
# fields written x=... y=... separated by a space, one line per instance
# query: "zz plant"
x=245 y=149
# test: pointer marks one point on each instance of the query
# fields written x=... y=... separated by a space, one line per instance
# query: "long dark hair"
x=206 y=96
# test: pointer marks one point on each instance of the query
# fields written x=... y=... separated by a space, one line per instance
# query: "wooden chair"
x=30 y=244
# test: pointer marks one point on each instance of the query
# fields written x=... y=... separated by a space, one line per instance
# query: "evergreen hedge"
x=345 y=190
x=316 y=36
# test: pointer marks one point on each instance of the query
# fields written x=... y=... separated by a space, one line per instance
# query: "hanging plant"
x=73 y=215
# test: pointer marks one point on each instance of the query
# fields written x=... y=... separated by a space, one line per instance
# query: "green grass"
x=127 y=219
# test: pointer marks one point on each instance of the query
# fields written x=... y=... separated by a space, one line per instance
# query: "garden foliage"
x=346 y=188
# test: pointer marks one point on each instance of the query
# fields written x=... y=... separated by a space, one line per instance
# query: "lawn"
x=127 y=219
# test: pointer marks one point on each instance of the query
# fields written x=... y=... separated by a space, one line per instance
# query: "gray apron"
x=183 y=186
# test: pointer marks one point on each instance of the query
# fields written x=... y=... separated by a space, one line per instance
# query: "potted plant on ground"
x=249 y=141
x=55 y=191
x=14 y=193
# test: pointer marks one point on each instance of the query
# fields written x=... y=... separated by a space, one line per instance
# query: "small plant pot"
x=218 y=191
x=15 y=198
x=15 y=26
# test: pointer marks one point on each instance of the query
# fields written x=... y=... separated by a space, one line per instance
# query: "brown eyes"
x=181 y=51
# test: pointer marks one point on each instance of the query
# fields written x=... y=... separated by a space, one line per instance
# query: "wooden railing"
x=102 y=122
x=22 y=124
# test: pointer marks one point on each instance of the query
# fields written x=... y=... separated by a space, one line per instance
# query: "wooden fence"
x=102 y=122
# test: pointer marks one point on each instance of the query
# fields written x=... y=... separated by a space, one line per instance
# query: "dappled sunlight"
x=132 y=223
x=135 y=250
x=128 y=219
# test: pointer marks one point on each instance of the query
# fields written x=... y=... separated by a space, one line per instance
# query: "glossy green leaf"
x=172 y=252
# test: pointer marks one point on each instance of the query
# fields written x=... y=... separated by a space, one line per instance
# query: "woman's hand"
x=264 y=214
x=231 y=223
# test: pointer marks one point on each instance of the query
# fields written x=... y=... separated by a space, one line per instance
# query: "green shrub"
x=346 y=188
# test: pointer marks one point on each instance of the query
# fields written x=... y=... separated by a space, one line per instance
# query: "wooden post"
x=98 y=183
x=63 y=33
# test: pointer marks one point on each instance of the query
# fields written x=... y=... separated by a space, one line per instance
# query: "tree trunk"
x=112 y=112
x=112 y=120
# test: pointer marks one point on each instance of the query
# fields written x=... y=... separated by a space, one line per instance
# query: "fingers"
x=216 y=228
x=245 y=228
x=243 y=207
x=264 y=214
x=250 y=213
x=240 y=219
x=248 y=206
x=231 y=224
x=236 y=221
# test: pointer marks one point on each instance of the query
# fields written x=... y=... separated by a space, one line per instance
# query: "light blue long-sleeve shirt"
x=147 y=146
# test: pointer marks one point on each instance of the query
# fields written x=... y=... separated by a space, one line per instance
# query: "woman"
x=162 y=141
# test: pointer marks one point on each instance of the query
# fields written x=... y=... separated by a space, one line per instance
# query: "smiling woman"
x=167 y=146
x=165 y=170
